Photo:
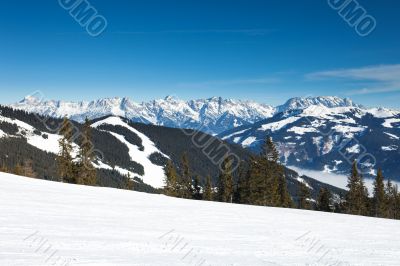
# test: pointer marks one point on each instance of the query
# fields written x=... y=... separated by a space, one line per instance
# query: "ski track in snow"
x=108 y=227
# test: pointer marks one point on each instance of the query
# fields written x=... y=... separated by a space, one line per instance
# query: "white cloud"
x=232 y=82
x=383 y=78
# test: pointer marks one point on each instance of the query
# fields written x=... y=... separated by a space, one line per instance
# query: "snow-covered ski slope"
x=46 y=223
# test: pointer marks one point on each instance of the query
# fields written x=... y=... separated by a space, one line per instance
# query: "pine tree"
x=275 y=190
x=208 y=189
x=269 y=150
x=3 y=167
x=64 y=158
x=324 y=200
x=276 y=186
x=86 y=173
x=391 y=195
x=171 y=179
x=378 y=200
x=27 y=169
x=196 y=188
x=185 y=180
x=397 y=205
x=357 y=197
x=241 y=193
x=18 y=170
x=263 y=184
x=225 y=183
x=285 y=199
x=253 y=188
x=129 y=184
x=304 y=195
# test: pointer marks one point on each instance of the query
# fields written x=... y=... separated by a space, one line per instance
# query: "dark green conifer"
x=304 y=196
x=357 y=197
x=378 y=201
x=86 y=174
x=129 y=184
x=208 y=189
x=270 y=151
x=391 y=196
x=185 y=189
x=64 y=158
x=225 y=184
x=324 y=200
x=171 y=180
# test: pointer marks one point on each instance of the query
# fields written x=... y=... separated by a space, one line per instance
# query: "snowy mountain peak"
x=30 y=100
x=300 y=103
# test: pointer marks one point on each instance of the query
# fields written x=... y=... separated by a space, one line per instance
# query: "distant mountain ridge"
x=214 y=115
x=317 y=137
x=126 y=148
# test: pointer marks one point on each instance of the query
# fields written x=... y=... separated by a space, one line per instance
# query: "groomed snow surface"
x=46 y=223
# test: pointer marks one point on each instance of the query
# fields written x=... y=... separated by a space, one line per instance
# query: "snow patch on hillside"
x=249 y=141
x=390 y=148
x=388 y=122
x=302 y=130
x=153 y=174
x=392 y=136
x=275 y=126
x=48 y=143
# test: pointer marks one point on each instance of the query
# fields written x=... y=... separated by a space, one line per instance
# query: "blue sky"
x=262 y=50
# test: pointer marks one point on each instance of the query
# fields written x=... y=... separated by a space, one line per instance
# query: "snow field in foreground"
x=46 y=223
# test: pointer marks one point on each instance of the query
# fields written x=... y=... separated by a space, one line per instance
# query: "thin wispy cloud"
x=382 y=78
x=232 y=82
x=249 y=32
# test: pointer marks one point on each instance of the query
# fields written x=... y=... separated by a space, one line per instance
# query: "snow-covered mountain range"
x=319 y=133
x=213 y=115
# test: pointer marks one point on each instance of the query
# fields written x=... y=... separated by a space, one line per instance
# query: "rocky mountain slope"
x=328 y=136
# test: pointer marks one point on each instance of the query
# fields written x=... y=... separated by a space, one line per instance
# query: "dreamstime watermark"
x=349 y=147
x=42 y=246
x=321 y=254
x=355 y=15
x=174 y=242
x=54 y=126
x=86 y=15
x=216 y=150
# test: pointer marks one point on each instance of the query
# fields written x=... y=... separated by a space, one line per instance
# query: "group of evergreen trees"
x=77 y=170
x=385 y=201
x=181 y=185
x=263 y=181
x=23 y=169
x=260 y=181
